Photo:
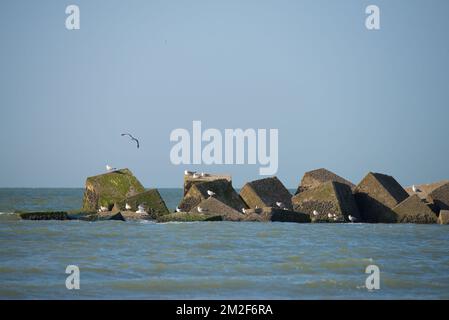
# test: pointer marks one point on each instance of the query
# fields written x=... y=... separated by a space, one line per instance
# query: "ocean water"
x=212 y=260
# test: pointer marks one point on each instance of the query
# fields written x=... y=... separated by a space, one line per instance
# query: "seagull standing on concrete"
x=103 y=209
x=141 y=209
x=109 y=168
x=329 y=215
x=204 y=174
x=414 y=188
x=315 y=213
x=188 y=173
x=243 y=210
x=127 y=207
x=201 y=209
x=280 y=205
x=196 y=175
x=132 y=138
x=177 y=209
x=210 y=193
x=352 y=219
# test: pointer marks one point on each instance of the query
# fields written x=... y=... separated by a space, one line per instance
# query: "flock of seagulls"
x=334 y=217
x=195 y=174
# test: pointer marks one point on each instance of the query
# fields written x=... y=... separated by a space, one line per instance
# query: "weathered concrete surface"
x=224 y=192
x=444 y=217
x=376 y=195
x=265 y=193
x=56 y=215
x=440 y=197
x=190 y=180
x=215 y=207
x=414 y=210
x=268 y=214
x=134 y=216
x=329 y=198
x=150 y=199
x=314 y=178
x=109 y=188
x=424 y=189
x=188 y=217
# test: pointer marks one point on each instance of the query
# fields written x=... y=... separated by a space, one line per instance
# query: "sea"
x=213 y=260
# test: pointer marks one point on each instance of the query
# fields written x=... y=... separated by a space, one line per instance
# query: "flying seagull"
x=132 y=138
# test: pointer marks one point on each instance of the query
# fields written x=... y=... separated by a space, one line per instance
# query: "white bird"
x=334 y=215
x=329 y=215
x=211 y=193
x=196 y=175
x=351 y=218
x=315 y=213
x=414 y=188
x=188 y=173
x=280 y=204
x=243 y=210
x=127 y=207
x=109 y=168
x=177 y=209
x=204 y=174
x=335 y=218
x=103 y=209
x=201 y=209
x=141 y=209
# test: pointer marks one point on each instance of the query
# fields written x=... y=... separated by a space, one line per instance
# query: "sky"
x=342 y=97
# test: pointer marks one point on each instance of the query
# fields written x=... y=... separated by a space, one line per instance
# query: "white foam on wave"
x=7 y=213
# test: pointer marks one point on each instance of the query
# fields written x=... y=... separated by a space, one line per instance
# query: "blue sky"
x=342 y=97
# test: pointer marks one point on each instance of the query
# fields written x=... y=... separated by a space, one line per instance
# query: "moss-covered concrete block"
x=265 y=193
x=444 y=217
x=314 y=178
x=376 y=195
x=102 y=216
x=414 y=210
x=150 y=199
x=50 y=215
x=223 y=191
x=332 y=201
x=107 y=189
x=188 y=217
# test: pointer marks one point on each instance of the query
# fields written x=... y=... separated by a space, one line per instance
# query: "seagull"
x=204 y=174
x=103 y=209
x=141 y=209
x=196 y=175
x=351 y=218
x=109 y=168
x=188 y=173
x=243 y=210
x=132 y=138
x=415 y=189
x=280 y=204
x=315 y=213
x=329 y=215
x=177 y=209
x=335 y=218
x=210 y=193
x=201 y=209
x=127 y=207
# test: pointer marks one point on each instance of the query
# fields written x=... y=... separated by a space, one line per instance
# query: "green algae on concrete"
x=188 y=217
x=150 y=199
x=50 y=215
x=108 y=188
